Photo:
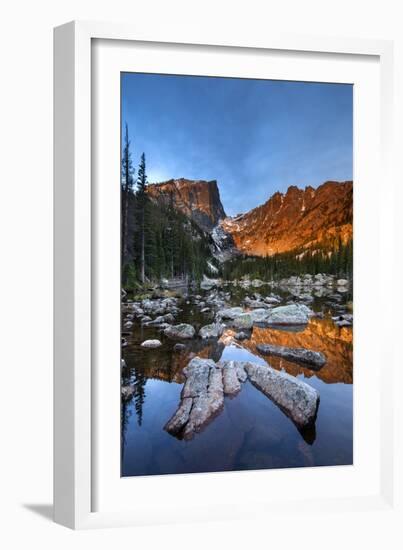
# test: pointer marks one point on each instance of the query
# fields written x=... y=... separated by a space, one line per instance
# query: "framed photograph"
x=214 y=290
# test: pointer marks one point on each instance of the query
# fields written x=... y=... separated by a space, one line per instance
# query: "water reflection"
x=319 y=335
x=251 y=432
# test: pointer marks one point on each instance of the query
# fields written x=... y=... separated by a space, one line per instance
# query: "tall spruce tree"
x=127 y=183
x=142 y=205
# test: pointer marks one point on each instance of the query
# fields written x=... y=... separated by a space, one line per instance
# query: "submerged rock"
x=151 y=344
x=299 y=355
x=296 y=399
x=214 y=330
x=182 y=331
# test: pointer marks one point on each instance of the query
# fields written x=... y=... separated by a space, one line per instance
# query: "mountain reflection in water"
x=319 y=335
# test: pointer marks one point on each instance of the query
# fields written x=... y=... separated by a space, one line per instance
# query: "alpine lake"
x=251 y=432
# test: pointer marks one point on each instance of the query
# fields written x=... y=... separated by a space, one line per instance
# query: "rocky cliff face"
x=300 y=218
x=297 y=219
x=199 y=200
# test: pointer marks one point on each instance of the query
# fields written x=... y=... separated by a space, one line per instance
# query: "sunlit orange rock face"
x=300 y=218
x=199 y=200
x=319 y=335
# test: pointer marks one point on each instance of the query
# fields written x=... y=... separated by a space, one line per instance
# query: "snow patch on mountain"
x=223 y=246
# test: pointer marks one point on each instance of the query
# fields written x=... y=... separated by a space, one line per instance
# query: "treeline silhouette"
x=158 y=241
x=336 y=260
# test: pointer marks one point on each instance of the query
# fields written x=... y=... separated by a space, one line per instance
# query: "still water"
x=251 y=432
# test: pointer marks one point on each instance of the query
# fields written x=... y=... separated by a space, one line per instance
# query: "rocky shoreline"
x=287 y=305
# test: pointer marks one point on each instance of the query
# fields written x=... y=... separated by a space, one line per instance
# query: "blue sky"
x=255 y=137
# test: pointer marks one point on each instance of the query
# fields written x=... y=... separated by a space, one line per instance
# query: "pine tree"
x=127 y=182
x=142 y=204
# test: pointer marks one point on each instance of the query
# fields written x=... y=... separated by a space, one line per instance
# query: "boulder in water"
x=299 y=355
x=182 y=331
x=297 y=399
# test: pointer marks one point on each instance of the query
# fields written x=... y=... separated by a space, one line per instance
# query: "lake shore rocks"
x=292 y=314
x=256 y=303
x=229 y=313
x=315 y=359
x=243 y=322
x=183 y=331
x=151 y=344
x=214 y=330
x=161 y=320
x=343 y=320
x=208 y=284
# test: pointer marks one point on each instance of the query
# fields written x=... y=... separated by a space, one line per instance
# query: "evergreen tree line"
x=157 y=240
x=336 y=261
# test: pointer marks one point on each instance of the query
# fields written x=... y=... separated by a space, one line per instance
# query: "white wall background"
x=26 y=253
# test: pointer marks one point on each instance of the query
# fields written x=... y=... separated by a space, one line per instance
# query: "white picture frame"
x=77 y=472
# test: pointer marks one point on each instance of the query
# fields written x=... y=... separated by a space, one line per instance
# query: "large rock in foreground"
x=180 y=332
x=300 y=355
x=207 y=382
x=201 y=399
x=260 y=315
x=232 y=384
x=202 y=396
x=295 y=398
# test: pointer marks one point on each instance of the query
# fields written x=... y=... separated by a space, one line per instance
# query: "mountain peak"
x=300 y=218
x=197 y=199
